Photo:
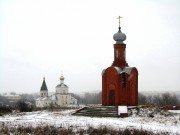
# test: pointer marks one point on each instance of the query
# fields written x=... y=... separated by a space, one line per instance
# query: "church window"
x=123 y=80
x=117 y=53
x=124 y=53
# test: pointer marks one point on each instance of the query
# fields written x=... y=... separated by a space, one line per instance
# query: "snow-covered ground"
x=175 y=111
x=64 y=119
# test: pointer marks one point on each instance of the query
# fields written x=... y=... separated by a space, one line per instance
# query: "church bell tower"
x=119 y=49
x=43 y=90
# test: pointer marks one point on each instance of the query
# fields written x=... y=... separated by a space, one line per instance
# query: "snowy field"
x=64 y=119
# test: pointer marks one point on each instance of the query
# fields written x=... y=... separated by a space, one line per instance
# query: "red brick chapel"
x=120 y=81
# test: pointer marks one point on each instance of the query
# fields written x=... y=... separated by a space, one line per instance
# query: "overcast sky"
x=75 y=37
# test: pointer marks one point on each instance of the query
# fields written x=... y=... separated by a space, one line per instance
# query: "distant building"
x=9 y=99
x=12 y=97
x=119 y=81
x=60 y=98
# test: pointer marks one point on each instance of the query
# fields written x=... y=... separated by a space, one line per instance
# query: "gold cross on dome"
x=119 y=17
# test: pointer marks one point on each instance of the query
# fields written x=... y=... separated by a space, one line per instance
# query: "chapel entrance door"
x=111 y=97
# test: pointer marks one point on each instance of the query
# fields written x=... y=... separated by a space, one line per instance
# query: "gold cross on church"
x=119 y=17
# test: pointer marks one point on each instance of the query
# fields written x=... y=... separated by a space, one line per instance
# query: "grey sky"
x=47 y=37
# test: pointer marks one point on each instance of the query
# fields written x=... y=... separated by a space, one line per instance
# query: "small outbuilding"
x=120 y=81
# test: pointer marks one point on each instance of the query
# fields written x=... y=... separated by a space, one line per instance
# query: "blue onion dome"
x=119 y=37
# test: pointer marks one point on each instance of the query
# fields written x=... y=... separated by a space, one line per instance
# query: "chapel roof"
x=62 y=85
x=126 y=70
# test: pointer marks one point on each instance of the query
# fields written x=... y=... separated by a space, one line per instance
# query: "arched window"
x=123 y=80
x=117 y=53
x=124 y=53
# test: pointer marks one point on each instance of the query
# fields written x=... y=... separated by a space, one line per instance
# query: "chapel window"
x=117 y=53
x=123 y=80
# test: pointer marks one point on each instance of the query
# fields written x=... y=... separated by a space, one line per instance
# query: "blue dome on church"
x=119 y=37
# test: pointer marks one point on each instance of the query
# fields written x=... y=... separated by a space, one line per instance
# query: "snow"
x=174 y=111
x=159 y=123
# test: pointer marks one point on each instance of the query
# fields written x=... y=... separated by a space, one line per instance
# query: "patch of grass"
x=52 y=130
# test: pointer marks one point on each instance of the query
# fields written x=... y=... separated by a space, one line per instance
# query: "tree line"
x=27 y=101
x=89 y=98
x=163 y=99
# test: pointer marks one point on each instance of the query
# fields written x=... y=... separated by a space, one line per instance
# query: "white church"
x=60 y=98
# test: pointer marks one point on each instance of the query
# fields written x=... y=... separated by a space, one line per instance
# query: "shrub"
x=52 y=130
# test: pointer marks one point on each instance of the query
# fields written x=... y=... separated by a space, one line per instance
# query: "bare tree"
x=89 y=98
x=12 y=93
x=142 y=99
x=51 y=106
x=93 y=98
x=159 y=100
x=166 y=99
x=23 y=106
x=28 y=97
x=150 y=100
